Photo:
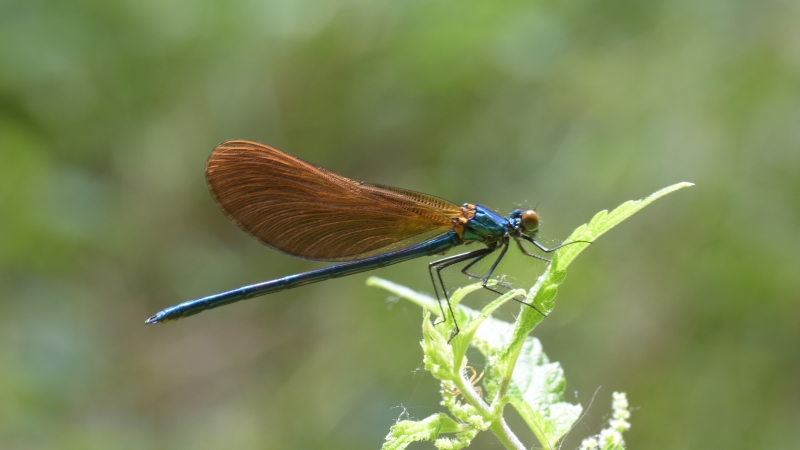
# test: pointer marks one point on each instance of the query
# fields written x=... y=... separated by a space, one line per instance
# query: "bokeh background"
x=108 y=111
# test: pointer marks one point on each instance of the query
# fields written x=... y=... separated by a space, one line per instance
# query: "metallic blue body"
x=485 y=227
x=435 y=246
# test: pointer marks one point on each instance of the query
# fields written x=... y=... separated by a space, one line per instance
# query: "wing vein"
x=309 y=212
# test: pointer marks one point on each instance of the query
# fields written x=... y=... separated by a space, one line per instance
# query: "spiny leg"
x=442 y=264
x=447 y=262
x=527 y=253
x=496 y=262
x=431 y=267
x=545 y=249
x=466 y=271
x=464 y=257
x=488 y=275
x=485 y=278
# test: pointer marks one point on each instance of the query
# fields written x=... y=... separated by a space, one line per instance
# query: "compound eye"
x=530 y=220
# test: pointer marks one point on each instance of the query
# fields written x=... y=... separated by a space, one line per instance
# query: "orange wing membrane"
x=306 y=211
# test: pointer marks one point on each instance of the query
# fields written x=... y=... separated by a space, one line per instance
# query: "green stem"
x=526 y=322
x=505 y=435
x=498 y=426
x=469 y=394
x=528 y=319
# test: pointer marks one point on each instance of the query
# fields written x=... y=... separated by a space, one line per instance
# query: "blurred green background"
x=108 y=111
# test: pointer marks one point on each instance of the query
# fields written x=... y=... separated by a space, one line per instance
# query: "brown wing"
x=307 y=211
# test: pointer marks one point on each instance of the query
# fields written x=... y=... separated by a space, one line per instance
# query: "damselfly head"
x=526 y=220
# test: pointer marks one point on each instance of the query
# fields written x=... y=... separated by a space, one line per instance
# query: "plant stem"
x=505 y=435
x=498 y=426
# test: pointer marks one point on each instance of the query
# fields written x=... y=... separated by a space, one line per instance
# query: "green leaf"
x=425 y=301
x=460 y=440
x=537 y=392
x=405 y=432
x=437 y=354
x=604 y=221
